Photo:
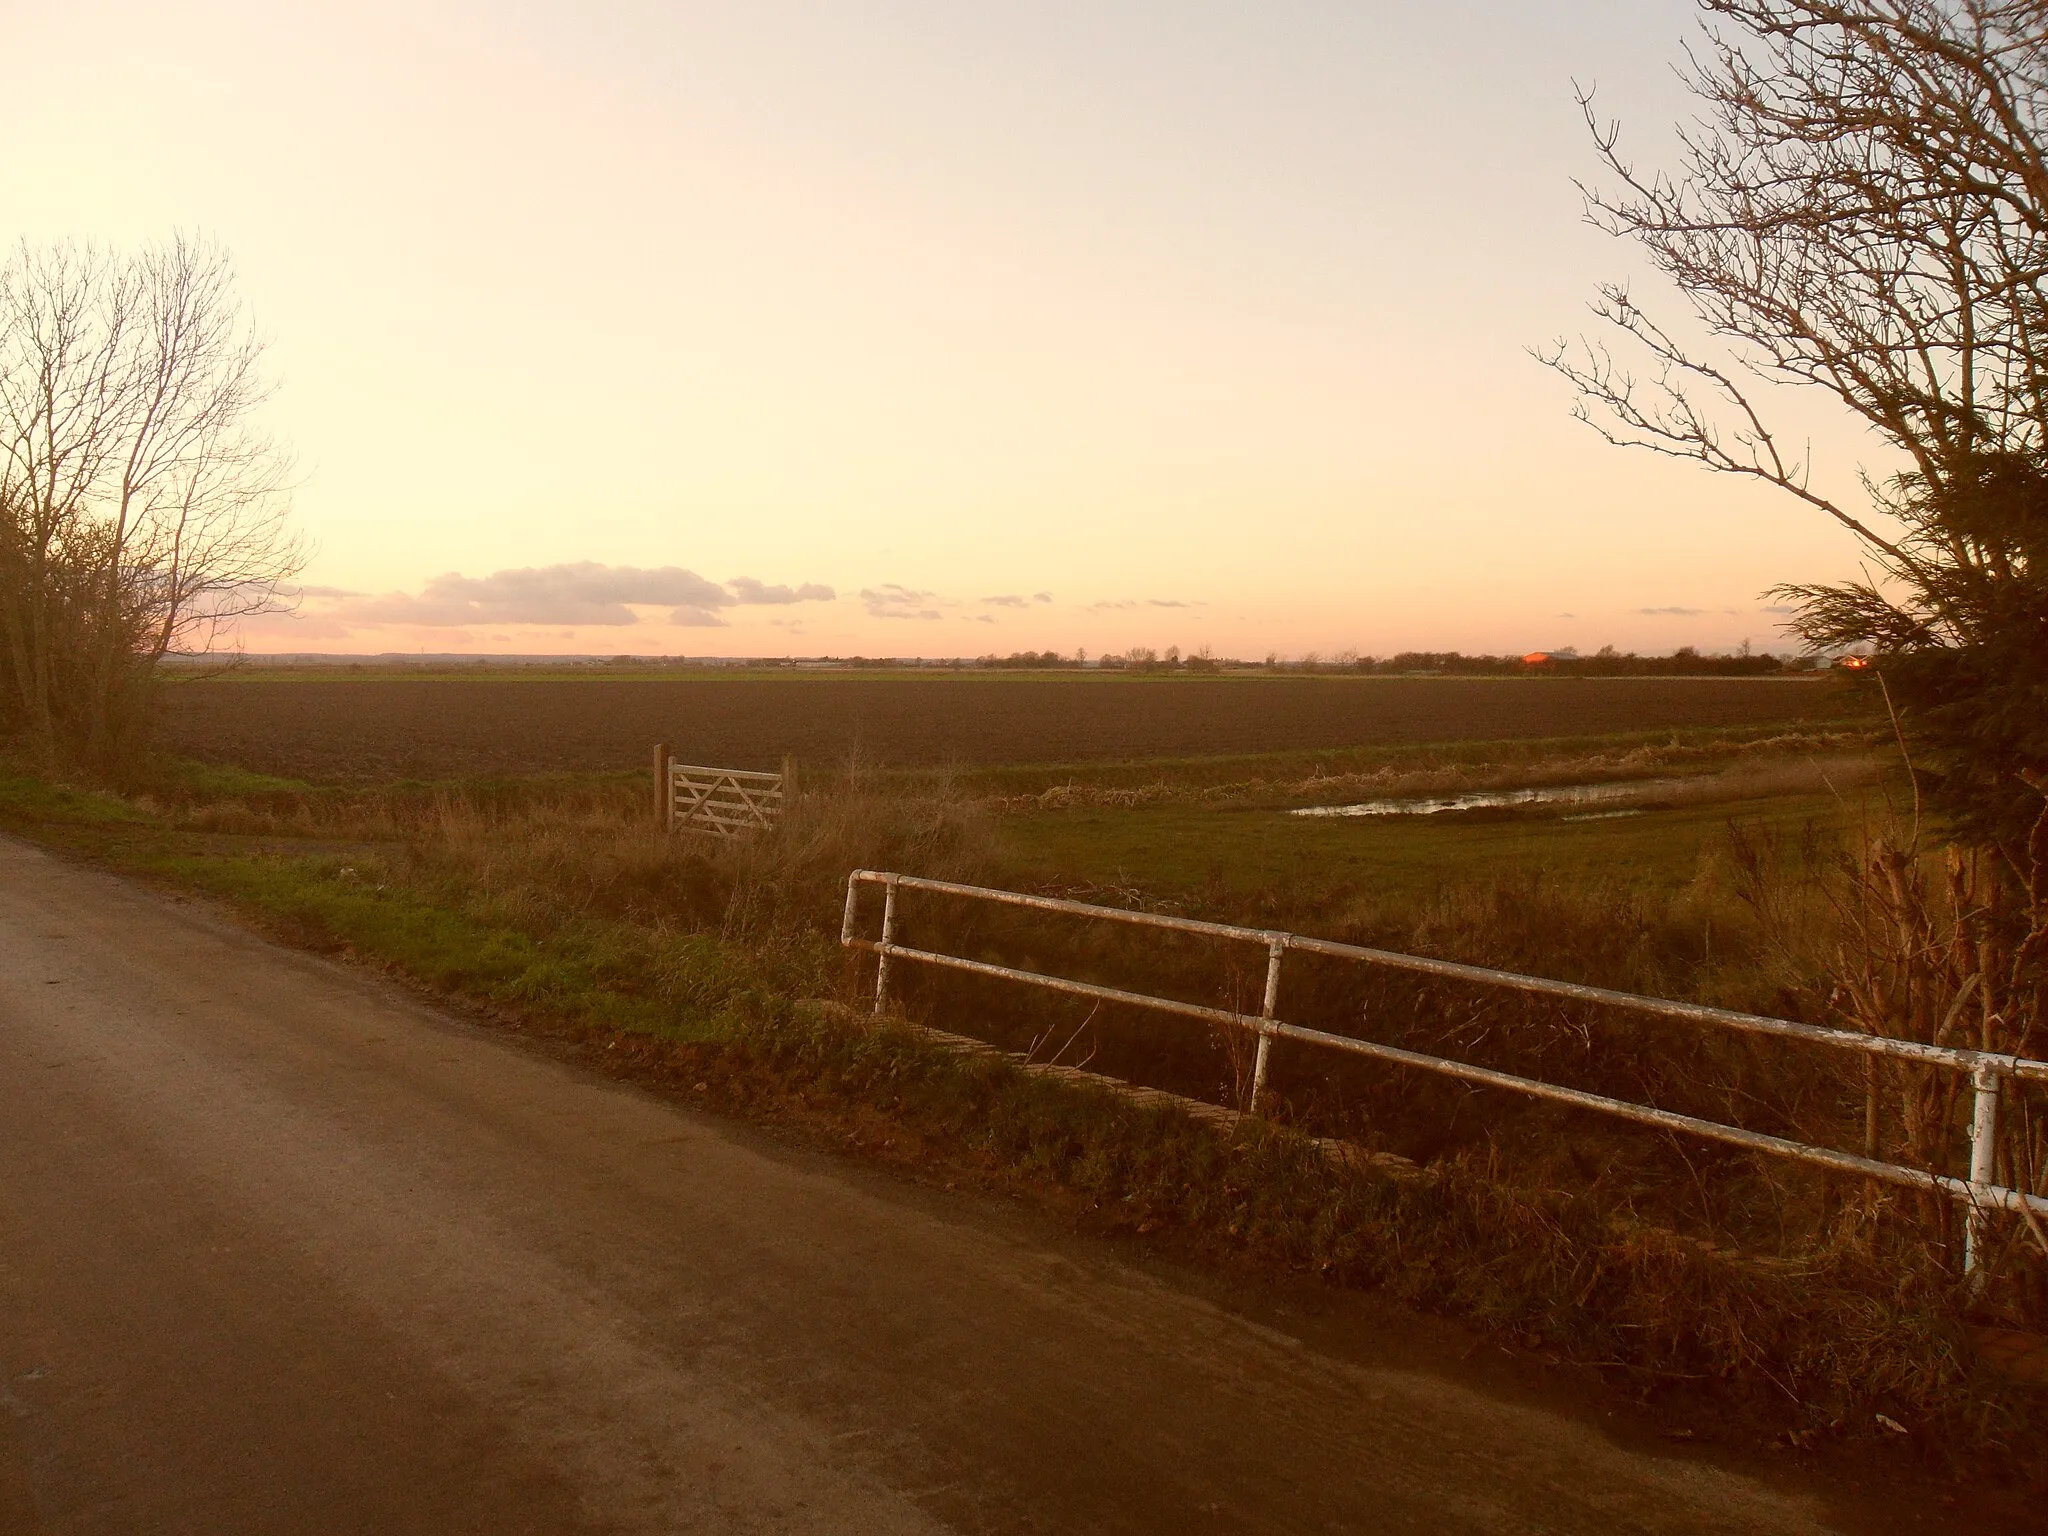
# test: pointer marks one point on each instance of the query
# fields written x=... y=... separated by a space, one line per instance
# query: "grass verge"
x=749 y=1016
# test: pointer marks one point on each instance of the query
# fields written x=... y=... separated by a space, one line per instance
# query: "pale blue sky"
x=1205 y=320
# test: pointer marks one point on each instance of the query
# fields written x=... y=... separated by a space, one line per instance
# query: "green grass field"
x=1216 y=835
x=1261 y=853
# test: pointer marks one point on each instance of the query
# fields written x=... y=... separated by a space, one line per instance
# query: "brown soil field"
x=343 y=731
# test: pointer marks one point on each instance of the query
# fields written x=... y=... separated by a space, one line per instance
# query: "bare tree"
x=141 y=507
x=1862 y=207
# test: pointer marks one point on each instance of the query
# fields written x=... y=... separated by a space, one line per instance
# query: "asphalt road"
x=283 y=1250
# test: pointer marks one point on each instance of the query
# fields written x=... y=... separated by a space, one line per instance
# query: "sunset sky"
x=930 y=327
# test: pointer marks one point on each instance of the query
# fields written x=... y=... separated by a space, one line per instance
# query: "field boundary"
x=1988 y=1072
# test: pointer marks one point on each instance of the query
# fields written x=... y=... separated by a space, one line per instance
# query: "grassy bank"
x=555 y=905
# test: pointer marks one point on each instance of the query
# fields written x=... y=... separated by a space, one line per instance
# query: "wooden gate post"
x=788 y=780
x=662 y=805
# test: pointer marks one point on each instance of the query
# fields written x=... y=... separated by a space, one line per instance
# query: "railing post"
x=664 y=792
x=1989 y=1083
x=888 y=938
x=852 y=904
x=1276 y=946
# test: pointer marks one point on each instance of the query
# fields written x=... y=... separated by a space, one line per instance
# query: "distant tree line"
x=1686 y=661
x=1033 y=661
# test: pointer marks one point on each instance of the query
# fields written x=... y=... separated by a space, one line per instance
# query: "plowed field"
x=333 y=731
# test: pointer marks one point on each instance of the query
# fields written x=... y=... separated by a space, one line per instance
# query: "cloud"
x=984 y=618
x=747 y=590
x=1567 y=615
x=1041 y=597
x=1672 y=613
x=890 y=601
x=1009 y=601
x=580 y=593
x=695 y=618
x=1110 y=605
x=1779 y=608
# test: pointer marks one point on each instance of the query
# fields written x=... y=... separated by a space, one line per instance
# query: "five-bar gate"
x=726 y=802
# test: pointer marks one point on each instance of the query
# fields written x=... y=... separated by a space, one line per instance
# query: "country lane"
x=283 y=1249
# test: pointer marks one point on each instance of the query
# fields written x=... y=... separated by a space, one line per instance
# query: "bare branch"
x=141 y=506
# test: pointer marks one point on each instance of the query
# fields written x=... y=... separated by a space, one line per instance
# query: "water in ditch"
x=1487 y=799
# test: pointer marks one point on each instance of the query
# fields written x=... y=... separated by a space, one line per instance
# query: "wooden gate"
x=726 y=802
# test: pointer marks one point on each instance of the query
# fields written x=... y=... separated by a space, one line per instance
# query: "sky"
x=921 y=327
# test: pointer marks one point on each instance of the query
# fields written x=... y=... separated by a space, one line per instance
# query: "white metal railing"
x=1988 y=1071
x=726 y=802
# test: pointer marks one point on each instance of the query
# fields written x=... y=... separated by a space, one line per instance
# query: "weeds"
x=1681 y=1267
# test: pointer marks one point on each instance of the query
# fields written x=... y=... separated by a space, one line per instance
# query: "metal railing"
x=726 y=802
x=1988 y=1071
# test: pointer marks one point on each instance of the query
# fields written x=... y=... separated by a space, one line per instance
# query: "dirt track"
x=337 y=730
x=282 y=1250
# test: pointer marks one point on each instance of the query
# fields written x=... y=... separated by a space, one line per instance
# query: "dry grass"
x=1760 y=928
x=1674 y=1264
